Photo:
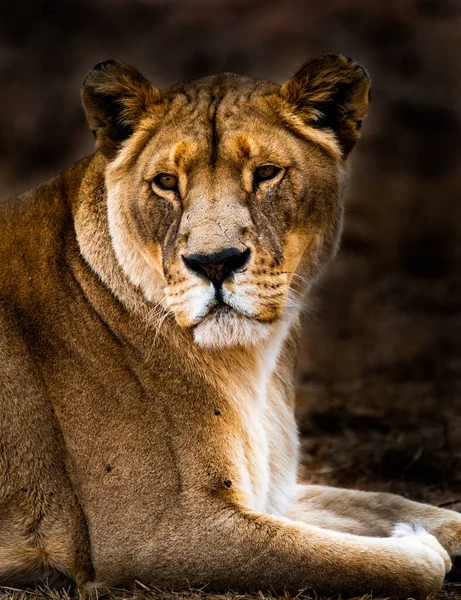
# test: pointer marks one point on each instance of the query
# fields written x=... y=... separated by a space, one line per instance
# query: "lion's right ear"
x=115 y=97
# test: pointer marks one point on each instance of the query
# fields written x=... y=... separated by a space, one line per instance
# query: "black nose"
x=217 y=266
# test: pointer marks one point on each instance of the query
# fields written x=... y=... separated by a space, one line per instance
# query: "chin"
x=226 y=328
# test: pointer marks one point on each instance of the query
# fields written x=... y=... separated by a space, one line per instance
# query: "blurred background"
x=380 y=370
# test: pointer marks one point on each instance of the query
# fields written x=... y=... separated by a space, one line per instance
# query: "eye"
x=266 y=172
x=165 y=181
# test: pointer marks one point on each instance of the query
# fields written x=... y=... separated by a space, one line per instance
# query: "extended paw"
x=415 y=533
x=428 y=561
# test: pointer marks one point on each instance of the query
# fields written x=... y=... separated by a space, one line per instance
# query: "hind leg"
x=42 y=528
x=42 y=543
x=373 y=514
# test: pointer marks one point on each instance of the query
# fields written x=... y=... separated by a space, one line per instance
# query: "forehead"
x=225 y=100
x=203 y=117
x=228 y=116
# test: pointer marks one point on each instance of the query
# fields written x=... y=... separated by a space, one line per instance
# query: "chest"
x=171 y=433
x=263 y=452
x=141 y=434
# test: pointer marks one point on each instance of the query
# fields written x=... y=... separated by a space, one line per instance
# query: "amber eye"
x=265 y=172
x=165 y=181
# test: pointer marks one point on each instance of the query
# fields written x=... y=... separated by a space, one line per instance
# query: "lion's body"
x=147 y=431
x=128 y=402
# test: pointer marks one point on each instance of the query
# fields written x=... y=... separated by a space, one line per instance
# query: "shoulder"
x=34 y=228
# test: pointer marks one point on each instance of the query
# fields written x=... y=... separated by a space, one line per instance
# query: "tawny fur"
x=147 y=429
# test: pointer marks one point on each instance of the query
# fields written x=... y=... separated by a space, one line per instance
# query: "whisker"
x=303 y=279
x=158 y=327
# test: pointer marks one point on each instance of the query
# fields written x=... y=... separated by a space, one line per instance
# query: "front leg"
x=226 y=548
x=373 y=514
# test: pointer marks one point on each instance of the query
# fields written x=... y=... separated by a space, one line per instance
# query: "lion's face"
x=224 y=204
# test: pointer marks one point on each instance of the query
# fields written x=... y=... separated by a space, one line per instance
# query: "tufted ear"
x=115 y=96
x=331 y=92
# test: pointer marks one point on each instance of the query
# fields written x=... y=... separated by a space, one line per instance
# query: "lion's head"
x=224 y=194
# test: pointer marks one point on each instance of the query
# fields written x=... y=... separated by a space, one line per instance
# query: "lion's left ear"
x=115 y=97
x=331 y=92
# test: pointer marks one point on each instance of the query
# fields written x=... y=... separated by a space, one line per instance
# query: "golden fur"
x=147 y=425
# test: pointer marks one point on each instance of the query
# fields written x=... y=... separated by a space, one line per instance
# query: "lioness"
x=149 y=318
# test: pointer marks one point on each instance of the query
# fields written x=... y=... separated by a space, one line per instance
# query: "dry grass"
x=142 y=592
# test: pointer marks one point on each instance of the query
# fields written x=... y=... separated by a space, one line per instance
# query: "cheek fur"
x=154 y=217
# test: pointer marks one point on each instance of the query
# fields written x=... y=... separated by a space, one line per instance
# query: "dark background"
x=379 y=376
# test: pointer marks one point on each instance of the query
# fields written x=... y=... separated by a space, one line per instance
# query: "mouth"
x=219 y=308
x=224 y=316
x=224 y=306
